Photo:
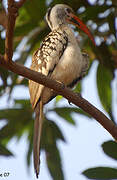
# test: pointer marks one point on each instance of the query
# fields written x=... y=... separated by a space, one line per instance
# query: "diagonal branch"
x=7 y=63
x=65 y=92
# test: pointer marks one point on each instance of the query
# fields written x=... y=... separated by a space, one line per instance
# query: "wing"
x=85 y=64
x=45 y=59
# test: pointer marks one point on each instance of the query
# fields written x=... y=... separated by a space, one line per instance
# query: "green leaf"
x=104 y=78
x=111 y=21
x=101 y=173
x=4 y=151
x=23 y=16
x=53 y=133
x=30 y=149
x=2 y=44
x=58 y=98
x=50 y=134
x=78 y=88
x=110 y=148
x=65 y=113
x=24 y=103
x=103 y=54
x=4 y=76
x=18 y=120
x=54 y=163
x=25 y=28
x=92 y=12
x=36 y=9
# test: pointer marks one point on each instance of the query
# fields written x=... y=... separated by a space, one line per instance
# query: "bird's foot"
x=63 y=85
x=79 y=94
x=69 y=103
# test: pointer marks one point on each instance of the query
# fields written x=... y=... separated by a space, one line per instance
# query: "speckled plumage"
x=49 y=57
x=46 y=58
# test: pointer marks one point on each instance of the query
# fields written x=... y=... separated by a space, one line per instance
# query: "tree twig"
x=19 y=3
x=13 y=8
x=3 y=18
x=11 y=17
x=65 y=92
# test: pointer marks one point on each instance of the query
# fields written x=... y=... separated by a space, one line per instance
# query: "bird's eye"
x=67 y=10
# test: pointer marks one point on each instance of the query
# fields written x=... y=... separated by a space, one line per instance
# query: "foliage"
x=30 y=30
x=107 y=173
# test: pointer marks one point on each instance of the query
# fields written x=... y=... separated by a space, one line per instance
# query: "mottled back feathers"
x=46 y=58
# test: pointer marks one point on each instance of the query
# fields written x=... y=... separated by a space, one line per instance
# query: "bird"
x=60 y=58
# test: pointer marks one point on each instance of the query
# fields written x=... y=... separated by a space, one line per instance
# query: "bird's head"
x=63 y=14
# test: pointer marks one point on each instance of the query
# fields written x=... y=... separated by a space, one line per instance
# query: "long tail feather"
x=37 y=136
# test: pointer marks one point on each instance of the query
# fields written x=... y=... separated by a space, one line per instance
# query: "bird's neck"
x=68 y=30
x=63 y=27
x=70 y=33
x=59 y=25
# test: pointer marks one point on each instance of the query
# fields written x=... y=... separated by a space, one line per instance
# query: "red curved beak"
x=78 y=23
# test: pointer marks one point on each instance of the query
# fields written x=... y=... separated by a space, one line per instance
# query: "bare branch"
x=11 y=18
x=3 y=18
x=65 y=92
x=76 y=99
x=19 y=3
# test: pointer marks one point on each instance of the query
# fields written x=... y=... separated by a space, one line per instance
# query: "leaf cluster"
x=107 y=173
